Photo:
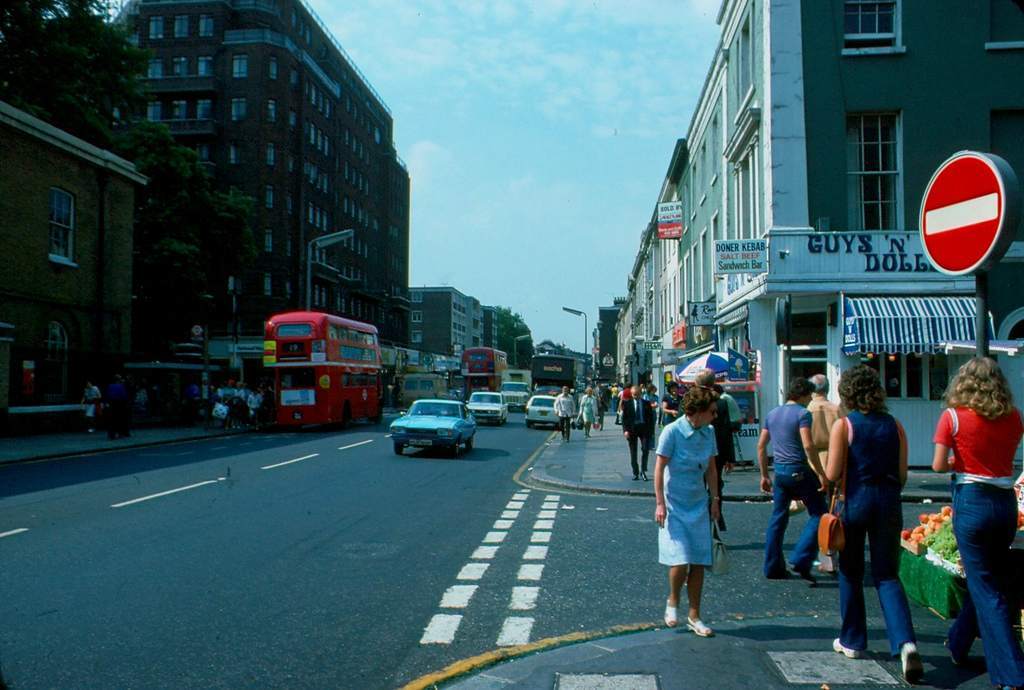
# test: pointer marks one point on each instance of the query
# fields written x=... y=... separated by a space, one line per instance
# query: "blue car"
x=434 y=423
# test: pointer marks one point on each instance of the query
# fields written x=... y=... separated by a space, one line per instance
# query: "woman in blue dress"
x=684 y=470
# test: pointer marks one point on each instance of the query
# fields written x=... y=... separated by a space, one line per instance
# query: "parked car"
x=434 y=423
x=540 y=409
x=488 y=407
x=516 y=393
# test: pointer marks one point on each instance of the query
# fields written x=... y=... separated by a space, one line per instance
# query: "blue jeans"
x=794 y=482
x=984 y=521
x=873 y=512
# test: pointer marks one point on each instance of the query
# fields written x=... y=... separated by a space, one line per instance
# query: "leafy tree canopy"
x=65 y=62
x=510 y=325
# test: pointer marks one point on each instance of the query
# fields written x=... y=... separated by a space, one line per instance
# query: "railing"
x=181 y=83
x=191 y=126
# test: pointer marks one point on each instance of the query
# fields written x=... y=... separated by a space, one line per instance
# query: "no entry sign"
x=969 y=213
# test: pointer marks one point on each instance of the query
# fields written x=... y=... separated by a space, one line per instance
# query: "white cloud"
x=428 y=162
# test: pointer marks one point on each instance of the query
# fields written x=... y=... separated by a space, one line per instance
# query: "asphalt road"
x=344 y=569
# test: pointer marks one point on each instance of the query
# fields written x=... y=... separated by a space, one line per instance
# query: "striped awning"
x=903 y=325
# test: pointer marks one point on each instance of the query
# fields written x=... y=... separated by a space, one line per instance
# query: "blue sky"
x=537 y=134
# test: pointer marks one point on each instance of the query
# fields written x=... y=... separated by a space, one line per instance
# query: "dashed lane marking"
x=524 y=599
x=552 y=497
x=547 y=514
x=540 y=537
x=441 y=629
x=166 y=493
x=472 y=571
x=289 y=462
x=520 y=496
x=535 y=553
x=495 y=537
x=549 y=505
x=503 y=524
x=544 y=524
x=353 y=445
x=515 y=631
x=509 y=514
x=514 y=505
x=484 y=552
x=11 y=533
x=458 y=596
x=530 y=571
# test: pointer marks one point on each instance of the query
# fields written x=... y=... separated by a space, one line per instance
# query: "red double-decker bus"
x=482 y=368
x=326 y=369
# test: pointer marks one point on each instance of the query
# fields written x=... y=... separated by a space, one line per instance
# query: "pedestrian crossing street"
x=525 y=596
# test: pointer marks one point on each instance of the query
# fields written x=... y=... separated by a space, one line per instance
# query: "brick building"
x=490 y=327
x=66 y=214
x=445 y=321
x=273 y=106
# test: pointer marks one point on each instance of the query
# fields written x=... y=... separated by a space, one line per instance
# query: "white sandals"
x=671 y=615
x=698 y=627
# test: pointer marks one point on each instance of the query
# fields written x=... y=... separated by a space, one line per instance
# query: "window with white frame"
x=271 y=110
x=156 y=27
x=272 y=67
x=705 y=266
x=271 y=153
x=268 y=196
x=204 y=66
x=204 y=109
x=62 y=224
x=181 y=26
x=240 y=66
x=873 y=173
x=237 y=109
x=416 y=296
x=156 y=69
x=179 y=110
x=417 y=317
x=153 y=113
x=268 y=284
x=206 y=25
x=179 y=66
x=417 y=336
x=870 y=23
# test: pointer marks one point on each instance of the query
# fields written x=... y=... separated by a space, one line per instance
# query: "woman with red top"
x=983 y=429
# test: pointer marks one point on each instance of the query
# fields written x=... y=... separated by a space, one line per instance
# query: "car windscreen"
x=542 y=402
x=434 y=409
x=485 y=398
x=513 y=388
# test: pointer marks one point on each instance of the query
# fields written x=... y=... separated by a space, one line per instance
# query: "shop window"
x=55 y=375
x=910 y=377
x=873 y=171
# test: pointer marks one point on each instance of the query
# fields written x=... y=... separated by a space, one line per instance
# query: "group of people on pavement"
x=860 y=450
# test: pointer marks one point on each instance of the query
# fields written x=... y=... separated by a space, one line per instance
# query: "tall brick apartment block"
x=273 y=106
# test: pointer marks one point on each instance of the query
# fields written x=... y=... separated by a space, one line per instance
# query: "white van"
x=417 y=386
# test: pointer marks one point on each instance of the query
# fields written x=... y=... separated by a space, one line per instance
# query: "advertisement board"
x=741 y=256
x=670 y=220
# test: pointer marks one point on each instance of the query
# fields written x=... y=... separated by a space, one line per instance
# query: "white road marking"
x=472 y=571
x=547 y=514
x=458 y=596
x=495 y=537
x=165 y=493
x=530 y=571
x=484 y=552
x=441 y=629
x=11 y=533
x=544 y=524
x=520 y=497
x=288 y=462
x=540 y=537
x=961 y=214
x=515 y=630
x=353 y=445
x=552 y=497
x=509 y=514
x=535 y=553
x=524 y=598
x=514 y=505
x=503 y=524
x=553 y=505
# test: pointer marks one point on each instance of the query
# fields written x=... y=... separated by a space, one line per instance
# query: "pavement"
x=780 y=649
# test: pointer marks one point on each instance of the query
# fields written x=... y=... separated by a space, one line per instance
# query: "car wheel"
x=399 y=448
x=529 y=424
x=469 y=444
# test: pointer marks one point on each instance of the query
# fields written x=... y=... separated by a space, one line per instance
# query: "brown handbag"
x=831 y=537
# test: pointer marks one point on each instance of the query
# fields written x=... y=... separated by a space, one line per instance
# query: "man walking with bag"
x=637 y=425
x=565 y=410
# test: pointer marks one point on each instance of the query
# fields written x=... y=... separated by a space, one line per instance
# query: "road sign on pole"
x=969 y=216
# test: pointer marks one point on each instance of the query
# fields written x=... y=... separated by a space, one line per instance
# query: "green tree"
x=65 y=62
x=189 y=237
x=510 y=325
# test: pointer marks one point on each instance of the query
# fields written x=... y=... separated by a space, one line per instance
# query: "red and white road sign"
x=969 y=212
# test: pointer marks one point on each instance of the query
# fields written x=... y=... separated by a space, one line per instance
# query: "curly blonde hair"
x=860 y=389
x=698 y=399
x=980 y=385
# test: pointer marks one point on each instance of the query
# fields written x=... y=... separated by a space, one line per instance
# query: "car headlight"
x=396 y=428
x=444 y=432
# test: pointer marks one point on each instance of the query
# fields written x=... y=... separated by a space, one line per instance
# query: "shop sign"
x=739 y=367
x=679 y=334
x=670 y=220
x=879 y=253
x=701 y=314
x=673 y=356
x=649 y=345
x=741 y=256
x=608 y=361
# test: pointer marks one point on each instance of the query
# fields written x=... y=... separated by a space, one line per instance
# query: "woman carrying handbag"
x=869 y=447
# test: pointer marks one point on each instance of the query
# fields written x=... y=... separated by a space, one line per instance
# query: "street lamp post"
x=320 y=243
x=577 y=312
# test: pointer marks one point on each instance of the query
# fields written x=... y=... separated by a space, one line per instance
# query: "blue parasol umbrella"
x=718 y=362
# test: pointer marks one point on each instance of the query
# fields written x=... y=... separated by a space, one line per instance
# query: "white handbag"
x=719 y=552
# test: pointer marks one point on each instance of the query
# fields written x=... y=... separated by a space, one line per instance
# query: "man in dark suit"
x=637 y=425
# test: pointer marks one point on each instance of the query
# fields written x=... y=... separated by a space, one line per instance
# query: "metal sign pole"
x=981 y=318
